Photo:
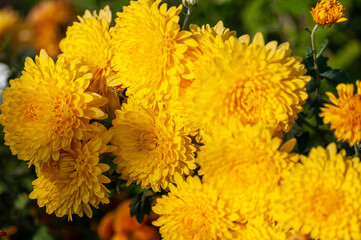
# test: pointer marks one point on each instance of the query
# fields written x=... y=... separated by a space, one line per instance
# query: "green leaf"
x=42 y=234
x=322 y=48
x=308 y=30
x=308 y=52
x=322 y=64
x=141 y=205
x=311 y=86
x=302 y=141
x=335 y=77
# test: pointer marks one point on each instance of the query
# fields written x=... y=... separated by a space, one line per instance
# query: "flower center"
x=147 y=141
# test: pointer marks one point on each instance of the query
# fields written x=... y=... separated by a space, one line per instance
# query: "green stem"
x=318 y=79
x=315 y=128
x=189 y=11
x=356 y=150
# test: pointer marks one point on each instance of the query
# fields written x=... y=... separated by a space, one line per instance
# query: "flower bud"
x=328 y=12
x=190 y=4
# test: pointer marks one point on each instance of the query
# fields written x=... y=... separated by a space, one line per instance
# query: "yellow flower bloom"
x=206 y=37
x=251 y=161
x=321 y=196
x=344 y=114
x=151 y=53
x=251 y=82
x=193 y=210
x=47 y=107
x=328 y=12
x=205 y=51
x=48 y=19
x=151 y=147
x=74 y=182
x=89 y=40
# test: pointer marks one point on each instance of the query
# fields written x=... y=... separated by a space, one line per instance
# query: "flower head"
x=328 y=12
x=251 y=82
x=75 y=182
x=320 y=196
x=206 y=36
x=345 y=113
x=251 y=161
x=47 y=107
x=151 y=147
x=89 y=40
x=193 y=210
x=151 y=53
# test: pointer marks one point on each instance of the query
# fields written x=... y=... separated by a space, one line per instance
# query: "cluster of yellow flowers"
x=205 y=91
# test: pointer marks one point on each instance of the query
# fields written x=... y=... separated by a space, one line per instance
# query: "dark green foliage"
x=141 y=205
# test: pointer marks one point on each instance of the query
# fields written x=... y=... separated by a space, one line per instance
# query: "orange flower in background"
x=328 y=12
x=12 y=25
x=105 y=228
x=49 y=20
x=119 y=225
x=345 y=113
x=8 y=20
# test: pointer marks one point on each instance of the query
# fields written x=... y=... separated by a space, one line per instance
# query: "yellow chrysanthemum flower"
x=251 y=160
x=74 y=182
x=89 y=40
x=151 y=53
x=321 y=196
x=151 y=147
x=204 y=51
x=252 y=82
x=345 y=113
x=328 y=12
x=47 y=107
x=193 y=210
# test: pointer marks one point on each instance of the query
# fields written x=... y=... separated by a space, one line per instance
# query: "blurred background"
x=26 y=26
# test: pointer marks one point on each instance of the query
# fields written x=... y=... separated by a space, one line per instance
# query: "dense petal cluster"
x=251 y=161
x=89 y=40
x=75 y=182
x=151 y=53
x=195 y=210
x=254 y=82
x=151 y=147
x=344 y=115
x=47 y=107
x=321 y=196
x=328 y=12
x=191 y=210
x=205 y=52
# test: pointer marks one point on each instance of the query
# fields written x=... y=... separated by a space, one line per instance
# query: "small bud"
x=190 y=4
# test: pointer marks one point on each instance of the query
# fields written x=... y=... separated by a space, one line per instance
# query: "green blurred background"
x=280 y=20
